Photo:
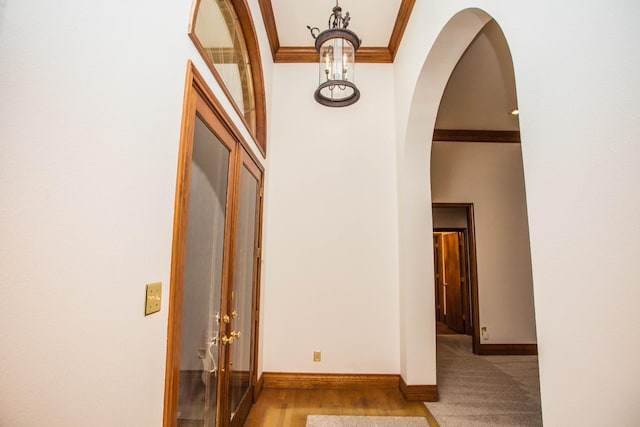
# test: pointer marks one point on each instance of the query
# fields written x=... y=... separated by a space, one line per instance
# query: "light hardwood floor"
x=289 y=408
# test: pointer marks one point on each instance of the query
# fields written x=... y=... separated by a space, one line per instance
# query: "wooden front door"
x=242 y=298
x=213 y=308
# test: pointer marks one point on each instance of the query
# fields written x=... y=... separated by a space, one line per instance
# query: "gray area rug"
x=364 y=421
x=484 y=390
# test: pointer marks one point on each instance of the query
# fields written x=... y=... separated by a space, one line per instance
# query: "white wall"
x=416 y=111
x=330 y=245
x=491 y=177
x=481 y=90
x=575 y=67
x=91 y=107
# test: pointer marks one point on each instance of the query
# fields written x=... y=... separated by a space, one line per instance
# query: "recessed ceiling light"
x=515 y=112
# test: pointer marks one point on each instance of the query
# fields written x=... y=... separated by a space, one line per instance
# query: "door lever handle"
x=213 y=342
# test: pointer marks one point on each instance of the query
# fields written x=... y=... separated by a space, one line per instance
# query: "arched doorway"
x=476 y=159
x=417 y=325
x=416 y=195
x=477 y=188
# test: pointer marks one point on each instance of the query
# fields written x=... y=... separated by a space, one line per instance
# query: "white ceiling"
x=372 y=21
x=481 y=90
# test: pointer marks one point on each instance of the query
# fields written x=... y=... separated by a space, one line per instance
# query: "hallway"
x=484 y=390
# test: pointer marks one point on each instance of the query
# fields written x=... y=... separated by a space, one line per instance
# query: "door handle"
x=227 y=319
x=235 y=334
x=213 y=342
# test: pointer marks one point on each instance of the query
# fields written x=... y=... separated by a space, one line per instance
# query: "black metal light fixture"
x=337 y=48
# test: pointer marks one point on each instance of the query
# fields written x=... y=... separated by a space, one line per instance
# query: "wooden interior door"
x=242 y=298
x=453 y=284
x=204 y=274
x=213 y=309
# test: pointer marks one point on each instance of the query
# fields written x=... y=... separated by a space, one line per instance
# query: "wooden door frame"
x=473 y=267
x=200 y=100
x=437 y=269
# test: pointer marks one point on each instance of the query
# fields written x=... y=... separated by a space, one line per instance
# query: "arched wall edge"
x=417 y=322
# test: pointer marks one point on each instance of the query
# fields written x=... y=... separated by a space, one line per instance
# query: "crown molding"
x=404 y=13
x=308 y=54
x=474 y=135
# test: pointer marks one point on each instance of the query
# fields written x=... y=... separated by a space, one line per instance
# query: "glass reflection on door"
x=243 y=287
x=204 y=260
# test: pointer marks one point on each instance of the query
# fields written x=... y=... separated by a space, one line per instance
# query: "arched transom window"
x=223 y=32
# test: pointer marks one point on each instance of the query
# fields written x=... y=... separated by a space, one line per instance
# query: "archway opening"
x=416 y=266
x=448 y=131
x=476 y=159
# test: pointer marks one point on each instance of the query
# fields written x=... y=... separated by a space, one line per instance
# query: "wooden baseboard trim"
x=286 y=380
x=419 y=393
x=328 y=381
x=508 y=349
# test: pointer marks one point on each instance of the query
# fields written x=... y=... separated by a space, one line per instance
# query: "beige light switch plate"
x=154 y=294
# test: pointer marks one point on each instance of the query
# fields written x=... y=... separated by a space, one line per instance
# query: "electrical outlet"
x=317 y=356
x=153 y=298
x=484 y=333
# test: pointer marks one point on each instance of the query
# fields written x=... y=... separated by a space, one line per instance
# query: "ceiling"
x=380 y=26
x=480 y=93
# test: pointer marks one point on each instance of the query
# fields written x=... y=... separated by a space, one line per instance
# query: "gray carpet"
x=484 y=390
x=364 y=421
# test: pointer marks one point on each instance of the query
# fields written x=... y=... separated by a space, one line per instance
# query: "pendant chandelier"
x=337 y=48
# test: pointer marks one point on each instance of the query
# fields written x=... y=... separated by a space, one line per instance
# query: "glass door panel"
x=242 y=294
x=203 y=276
